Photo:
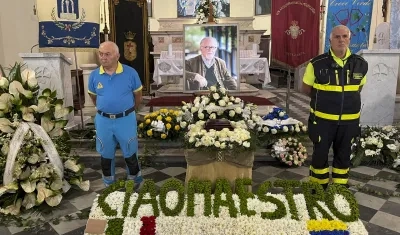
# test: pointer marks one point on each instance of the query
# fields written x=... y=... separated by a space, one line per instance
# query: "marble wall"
x=379 y=93
x=54 y=72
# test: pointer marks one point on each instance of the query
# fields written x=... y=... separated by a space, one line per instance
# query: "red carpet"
x=177 y=100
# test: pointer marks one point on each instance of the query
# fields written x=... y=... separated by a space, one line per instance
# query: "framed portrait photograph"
x=150 y=8
x=211 y=56
x=187 y=8
x=262 y=7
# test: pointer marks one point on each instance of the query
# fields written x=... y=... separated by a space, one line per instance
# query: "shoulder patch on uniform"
x=99 y=85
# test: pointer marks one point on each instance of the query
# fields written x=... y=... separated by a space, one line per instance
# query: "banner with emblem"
x=356 y=15
x=69 y=23
x=129 y=30
x=294 y=31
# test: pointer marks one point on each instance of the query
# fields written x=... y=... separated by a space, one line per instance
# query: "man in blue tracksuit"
x=116 y=90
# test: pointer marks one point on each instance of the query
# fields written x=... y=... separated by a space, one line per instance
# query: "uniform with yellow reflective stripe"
x=334 y=112
x=335 y=95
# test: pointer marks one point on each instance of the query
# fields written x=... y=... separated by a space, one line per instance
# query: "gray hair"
x=338 y=27
x=209 y=38
x=113 y=45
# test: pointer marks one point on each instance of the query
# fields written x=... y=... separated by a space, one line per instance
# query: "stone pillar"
x=53 y=71
x=89 y=108
x=379 y=93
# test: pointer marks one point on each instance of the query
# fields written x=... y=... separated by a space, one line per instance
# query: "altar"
x=170 y=37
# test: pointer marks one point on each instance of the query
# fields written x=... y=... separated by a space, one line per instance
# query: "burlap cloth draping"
x=211 y=166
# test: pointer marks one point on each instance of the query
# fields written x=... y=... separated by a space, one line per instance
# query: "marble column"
x=90 y=108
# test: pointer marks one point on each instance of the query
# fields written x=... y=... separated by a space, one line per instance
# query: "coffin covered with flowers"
x=35 y=164
x=197 y=211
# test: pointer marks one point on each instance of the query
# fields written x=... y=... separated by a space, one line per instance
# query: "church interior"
x=158 y=37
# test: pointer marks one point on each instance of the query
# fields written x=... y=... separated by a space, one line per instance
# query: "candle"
x=169 y=49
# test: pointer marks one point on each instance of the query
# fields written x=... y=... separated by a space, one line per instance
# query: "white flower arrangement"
x=198 y=137
x=217 y=105
x=289 y=151
x=376 y=144
x=242 y=224
x=203 y=10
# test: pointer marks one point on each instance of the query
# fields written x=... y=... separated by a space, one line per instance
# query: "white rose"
x=183 y=124
x=226 y=99
x=237 y=100
x=297 y=129
x=274 y=131
x=304 y=128
x=222 y=90
x=213 y=116
x=194 y=109
x=238 y=110
x=223 y=145
x=265 y=129
x=246 y=144
x=213 y=89
x=231 y=113
x=221 y=103
x=184 y=108
x=217 y=144
x=281 y=114
x=191 y=139
x=201 y=116
x=230 y=103
x=216 y=96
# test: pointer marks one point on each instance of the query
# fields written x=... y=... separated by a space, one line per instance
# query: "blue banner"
x=57 y=35
x=69 y=23
x=356 y=15
x=395 y=25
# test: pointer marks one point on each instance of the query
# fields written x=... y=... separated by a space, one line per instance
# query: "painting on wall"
x=262 y=7
x=211 y=56
x=187 y=8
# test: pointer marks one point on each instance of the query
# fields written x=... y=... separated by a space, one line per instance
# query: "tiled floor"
x=379 y=211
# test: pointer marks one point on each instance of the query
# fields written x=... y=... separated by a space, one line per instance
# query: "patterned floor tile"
x=83 y=202
x=378 y=230
x=378 y=191
x=259 y=177
x=4 y=231
x=97 y=185
x=302 y=170
x=65 y=208
x=46 y=229
x=157 y=176
x=365 y=170
x=391 y=208
x=148 y=170
x=173 y=171
x=386 y=220
x=181 y=177
x=366 y=213
x=386 y=184
x=287 y=175
x=269 y=170
x=369 y=201
x=68 y=226
x=389 y=175
x=78 y=231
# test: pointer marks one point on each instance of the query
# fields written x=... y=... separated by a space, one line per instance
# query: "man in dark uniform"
x=334 y=81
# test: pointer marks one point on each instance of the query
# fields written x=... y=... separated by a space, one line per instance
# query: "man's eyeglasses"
x=209 y=47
